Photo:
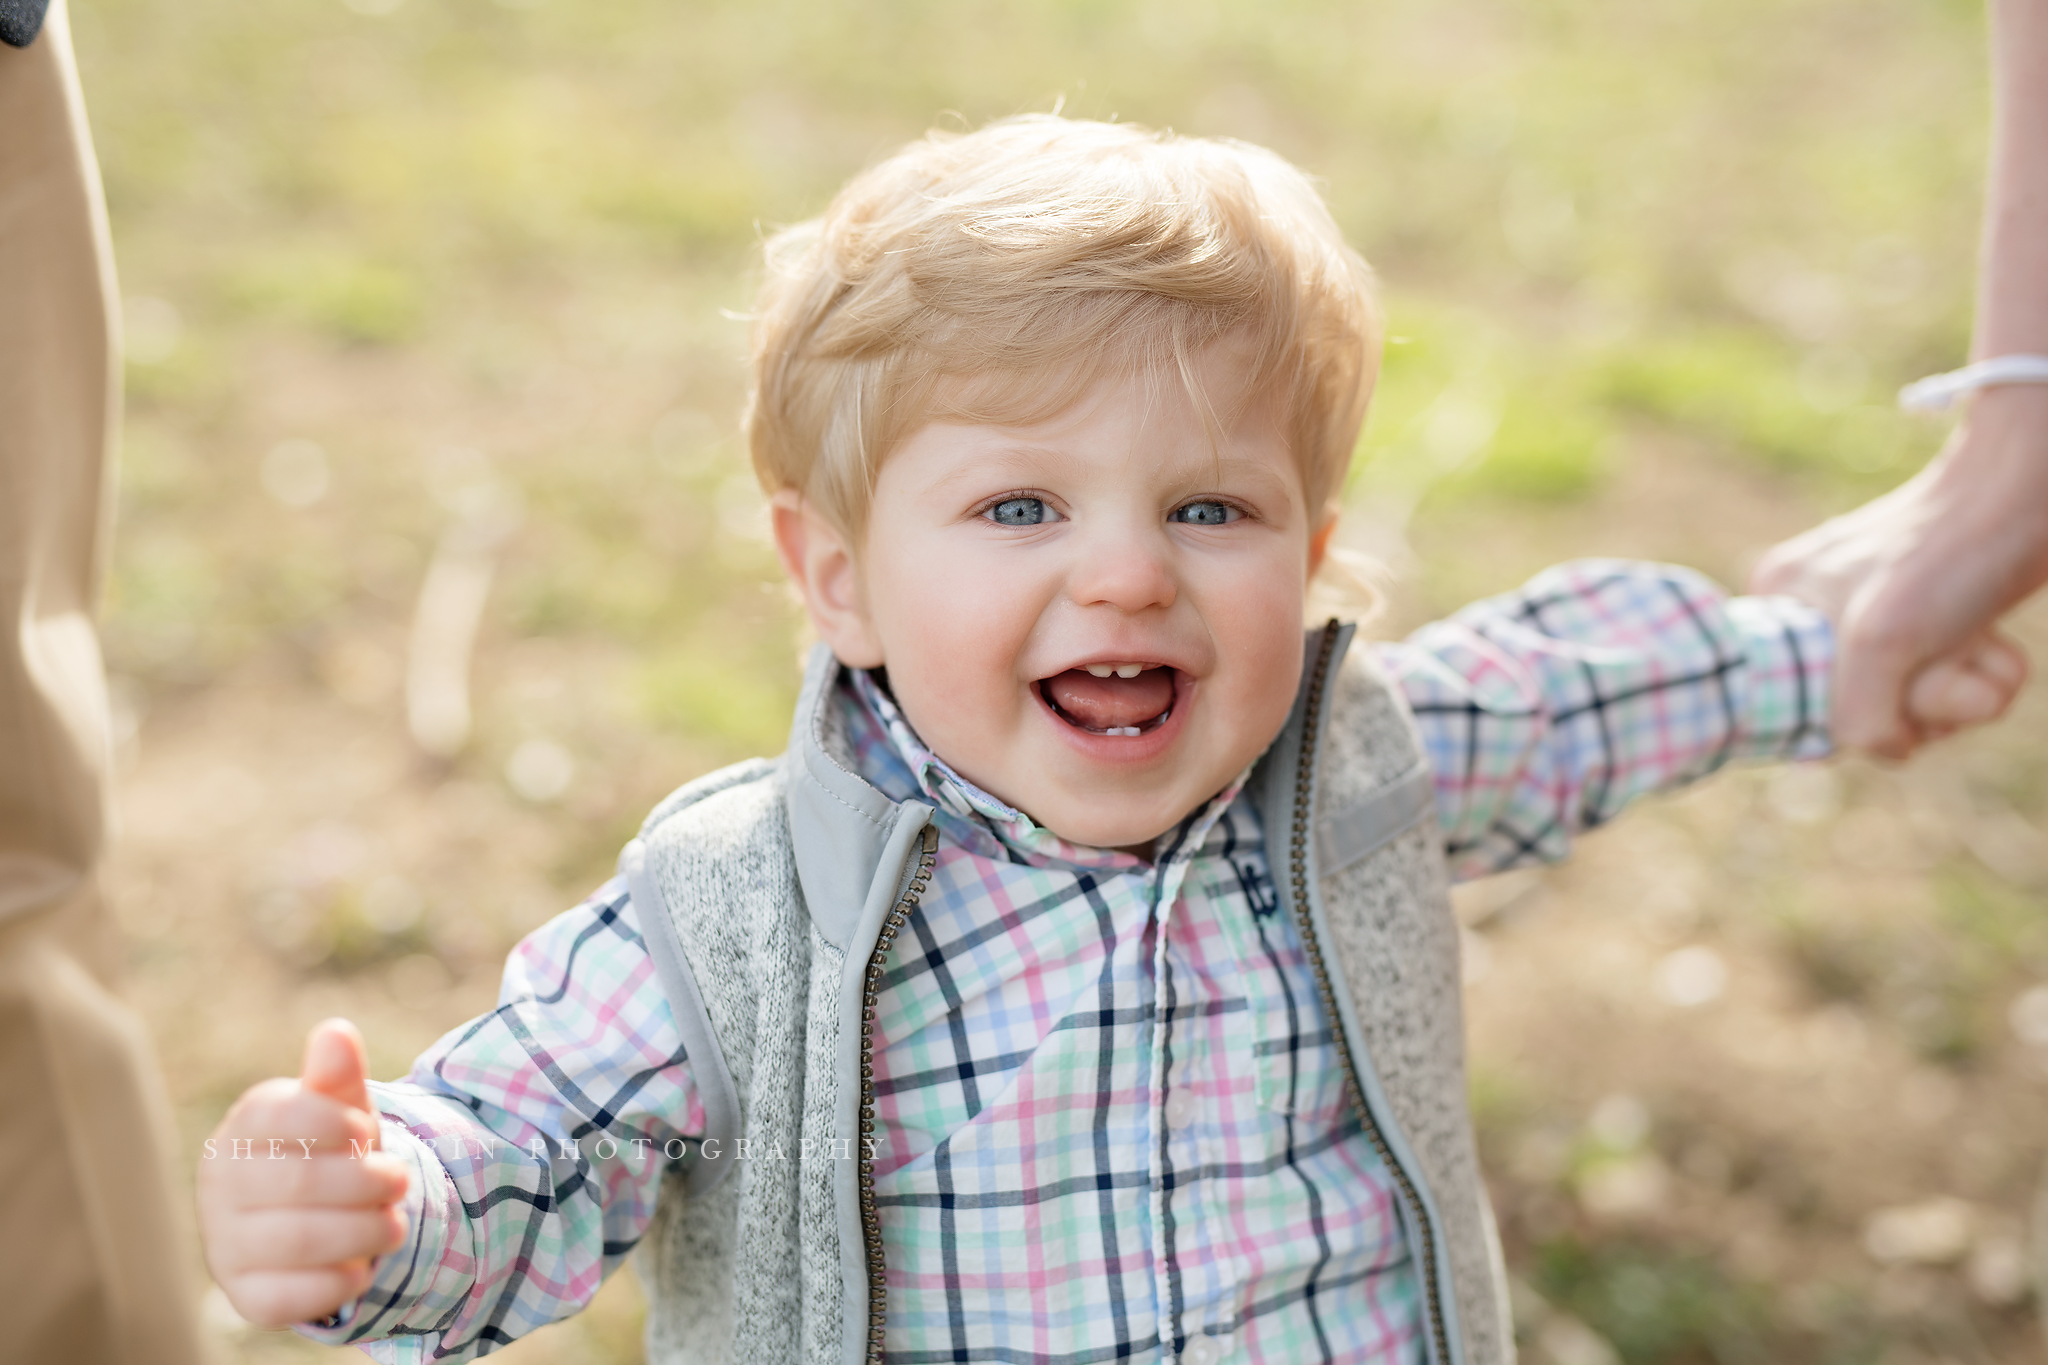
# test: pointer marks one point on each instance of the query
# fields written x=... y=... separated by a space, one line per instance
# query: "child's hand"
x=294 y=1200
x=1971 y=685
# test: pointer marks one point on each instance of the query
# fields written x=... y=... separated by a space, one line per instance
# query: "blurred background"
x=438 y=561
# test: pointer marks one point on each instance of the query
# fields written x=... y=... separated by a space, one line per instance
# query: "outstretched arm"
x=1546 y=710
x=526 y=1148
x=1924 y=571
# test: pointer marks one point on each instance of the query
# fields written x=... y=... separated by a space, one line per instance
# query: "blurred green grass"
x=1590 y=217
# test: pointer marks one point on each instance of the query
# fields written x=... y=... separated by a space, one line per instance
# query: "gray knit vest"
x=763 y=890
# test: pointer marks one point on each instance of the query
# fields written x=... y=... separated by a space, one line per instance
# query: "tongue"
x=1111 y=703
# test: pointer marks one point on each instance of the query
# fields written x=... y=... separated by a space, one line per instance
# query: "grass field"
x=1760 y=1076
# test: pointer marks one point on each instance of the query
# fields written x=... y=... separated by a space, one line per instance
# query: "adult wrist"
x=2006 y=370
x=2020 y=410
x=2001 y=446
x=1989 y=486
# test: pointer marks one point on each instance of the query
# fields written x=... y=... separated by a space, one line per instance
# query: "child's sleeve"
x=537 y=1136
x=1546 y=710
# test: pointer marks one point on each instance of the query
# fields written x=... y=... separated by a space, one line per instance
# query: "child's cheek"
x=953 y=632
x=1254 y=613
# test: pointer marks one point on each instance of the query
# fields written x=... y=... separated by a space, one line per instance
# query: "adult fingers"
x=1784 y=568
x=1947 y=696
x=2004 y=660
x=1973 y=685
x=1869 y=710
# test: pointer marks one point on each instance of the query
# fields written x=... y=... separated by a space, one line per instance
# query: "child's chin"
x=1128 y=818
x=1095 y=830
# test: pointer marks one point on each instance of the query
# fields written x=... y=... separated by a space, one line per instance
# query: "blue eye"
x=1205 y=514
x=1021 y=512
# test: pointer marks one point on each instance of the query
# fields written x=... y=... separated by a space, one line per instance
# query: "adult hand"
x=1915 y=580
x=295 y=1201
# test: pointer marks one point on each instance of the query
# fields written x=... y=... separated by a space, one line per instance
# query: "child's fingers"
x=337 y=1064
x=323 y=1182
x=279 y=1298
x=273 y=1116
x=308 y=1238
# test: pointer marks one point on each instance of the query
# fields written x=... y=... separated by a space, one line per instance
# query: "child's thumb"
x=337 y=1064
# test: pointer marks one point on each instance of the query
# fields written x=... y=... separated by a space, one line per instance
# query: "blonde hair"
x=994 y=275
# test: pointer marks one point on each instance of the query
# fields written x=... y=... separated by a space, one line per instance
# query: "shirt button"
x=1201 y=1351
x=1180 y=1112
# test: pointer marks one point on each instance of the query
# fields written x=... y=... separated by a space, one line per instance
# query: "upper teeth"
x=1121 y=670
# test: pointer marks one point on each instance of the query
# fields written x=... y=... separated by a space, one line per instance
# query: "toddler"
x=1081 y=983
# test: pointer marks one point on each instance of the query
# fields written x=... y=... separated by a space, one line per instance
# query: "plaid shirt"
x=1113 y=1116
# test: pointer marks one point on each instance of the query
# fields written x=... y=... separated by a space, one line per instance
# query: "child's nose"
x=1123 y=570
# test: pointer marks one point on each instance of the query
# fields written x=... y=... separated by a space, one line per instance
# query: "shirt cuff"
x=420 y=1268
x=1790 y=649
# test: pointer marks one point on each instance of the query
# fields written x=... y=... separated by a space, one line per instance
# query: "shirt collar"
x=902 y=766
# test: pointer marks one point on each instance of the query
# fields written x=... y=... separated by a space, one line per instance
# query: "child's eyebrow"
x=1024 y=461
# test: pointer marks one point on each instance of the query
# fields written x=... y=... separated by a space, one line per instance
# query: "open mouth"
x=1112 y=699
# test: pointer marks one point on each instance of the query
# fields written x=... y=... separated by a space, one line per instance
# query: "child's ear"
x=1319 y=541
x=818 y=561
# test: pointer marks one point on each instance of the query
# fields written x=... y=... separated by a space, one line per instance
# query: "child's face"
x=1005 y=568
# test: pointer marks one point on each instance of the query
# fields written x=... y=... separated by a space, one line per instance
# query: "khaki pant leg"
x=94 y=1248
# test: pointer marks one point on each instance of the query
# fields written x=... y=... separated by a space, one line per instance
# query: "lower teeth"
x=1132 y=731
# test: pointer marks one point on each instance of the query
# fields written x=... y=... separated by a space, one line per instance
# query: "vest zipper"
x=870 y=1221
x=1297 y=856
